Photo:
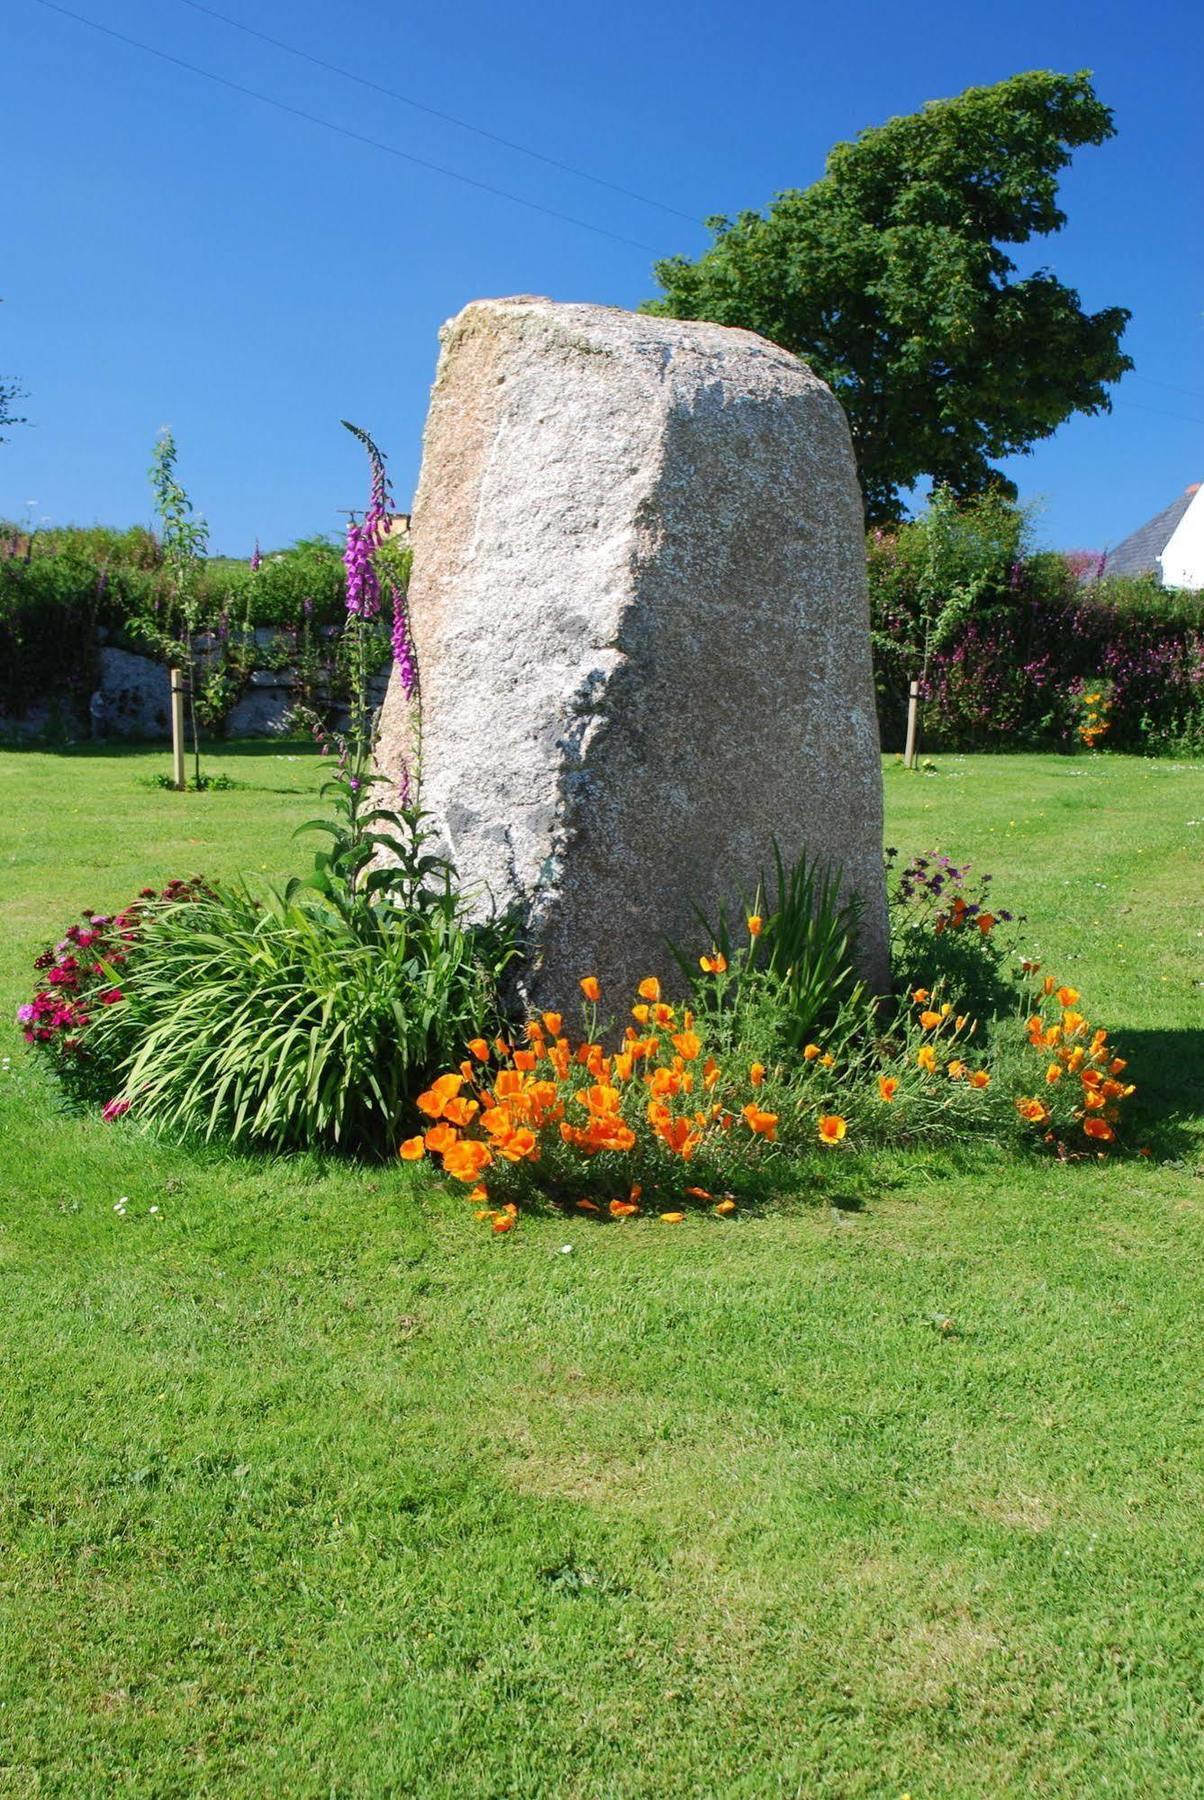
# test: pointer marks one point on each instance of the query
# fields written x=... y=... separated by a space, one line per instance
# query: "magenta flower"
x=113 y=1109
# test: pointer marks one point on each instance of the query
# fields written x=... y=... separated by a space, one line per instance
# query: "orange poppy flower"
x=641 y=1014
x=413 y=1150
x=985 y=922
x=1094 y=1100
x=763 y=1124
x=960 y=1022
x=461 y=1111
x=622 y=1065
x=714 y=964
x=662 y=1014
x=441 y=1137
x=687 y=1044
x=827 y=1060
x=649 y=988
x=479 y=1194
x=1048 y=985
x=726 y=1206
x=888 y=1087
x=479 y=1048
x=591 y=987
x=832 y=1128
x=525 y=1060
x=710 y=1072
x=1053 y=1073
x=587 y=1206
x=519 y=1145
x=1067 y=996
x=920 y=996
x=956 y=1070
x=465 y=1160
x=756 y=924
x=622 y=1209
x=929 y=1019
x=1035 y=1111
x=980 y=1079
x=1098 y=1128
x=1117 y=1066
x=811 y=1052
x=926 y=1058
x=503 y=1221
x=757 y=1074
x=552 y=1023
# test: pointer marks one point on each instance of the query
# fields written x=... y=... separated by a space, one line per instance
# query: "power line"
x=356 y=137
x=1173 y=386
x=433 y=112
x=1160 y=410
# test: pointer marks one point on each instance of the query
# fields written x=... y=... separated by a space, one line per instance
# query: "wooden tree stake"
x=177 y=731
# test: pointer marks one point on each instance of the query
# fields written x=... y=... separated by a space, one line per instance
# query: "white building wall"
x=1182 y=561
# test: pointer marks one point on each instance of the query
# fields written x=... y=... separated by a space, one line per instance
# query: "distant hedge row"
x=1012 y=649
x=58 y=587
x=1015 y=650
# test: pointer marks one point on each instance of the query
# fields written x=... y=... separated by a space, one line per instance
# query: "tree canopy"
x=890 y=277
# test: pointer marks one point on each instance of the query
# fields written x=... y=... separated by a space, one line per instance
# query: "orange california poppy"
x=920 y=996
x=622 y=1209
x=985 y=922
x=827 y=1060
x=1117 y=1066
x=552 y=1024
x=811 y=1052
x=926 y=1058
x=591 y=987
x=479 y=1194
x=479 y=1048
x=980 y=1079
x=929 y=1019
x=1053 y=1073
x=956 y=1070
x=726 y=1206
x=763 y=1124
x=1035 y=1111
x=687 y=1044
x=503 y=1221
x=441 y=1137
x=888 y=1087
x=649 y=988
x=1098 y=1128
x=1067 y=996
x=714 y=964
x=756 y=924
x=412 y=1150
x=1048 y=985
x=832 y=1128
x=756 y=1074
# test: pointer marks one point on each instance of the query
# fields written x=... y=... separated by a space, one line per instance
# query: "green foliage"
x=1006 y=641
x=793 y=970
x=307 y=1018
x=891 y=276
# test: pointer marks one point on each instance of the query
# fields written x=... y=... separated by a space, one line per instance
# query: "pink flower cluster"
x=77 y=975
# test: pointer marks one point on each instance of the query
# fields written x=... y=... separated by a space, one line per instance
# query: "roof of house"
x=1138 y=554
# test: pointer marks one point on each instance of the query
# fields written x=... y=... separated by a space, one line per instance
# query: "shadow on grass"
x=1167 y=1112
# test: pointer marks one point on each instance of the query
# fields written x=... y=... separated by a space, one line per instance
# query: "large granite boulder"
x=639 y=607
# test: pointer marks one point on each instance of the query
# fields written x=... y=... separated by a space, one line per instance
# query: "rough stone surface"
x=639 y=607
x=137 y=695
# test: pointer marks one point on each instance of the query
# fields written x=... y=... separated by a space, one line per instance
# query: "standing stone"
x=639 y=606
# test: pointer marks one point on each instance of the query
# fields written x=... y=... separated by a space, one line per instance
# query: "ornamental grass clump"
x=791 y=964
x=308 y=1018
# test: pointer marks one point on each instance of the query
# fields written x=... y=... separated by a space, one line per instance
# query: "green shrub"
x=308 y=1018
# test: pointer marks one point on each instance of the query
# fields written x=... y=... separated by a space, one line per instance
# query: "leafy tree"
x=890 y=277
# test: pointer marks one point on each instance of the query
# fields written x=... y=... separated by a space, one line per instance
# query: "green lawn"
x=310 y=1487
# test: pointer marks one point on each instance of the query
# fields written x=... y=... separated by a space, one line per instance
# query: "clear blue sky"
x=176 y=253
